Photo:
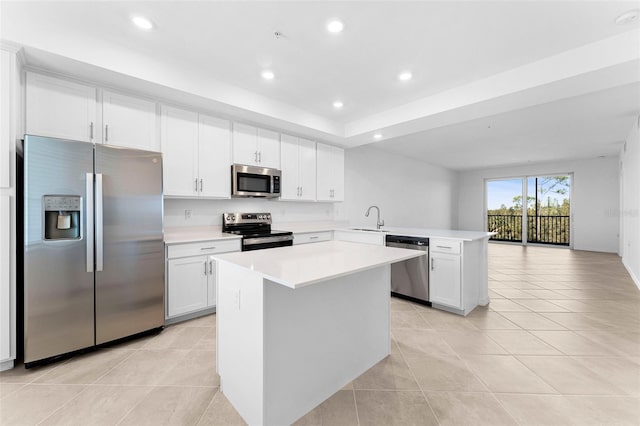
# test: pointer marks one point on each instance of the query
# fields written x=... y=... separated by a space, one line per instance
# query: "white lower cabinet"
x=312 y=237
x=457 y=274
x=444 y=279
x=188 y=285
x=191 y=276
x=6 y=308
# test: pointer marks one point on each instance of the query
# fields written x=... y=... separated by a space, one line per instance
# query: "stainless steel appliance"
x=252 y=181
x=256 y=231
x=410 y=279
x=93 y=260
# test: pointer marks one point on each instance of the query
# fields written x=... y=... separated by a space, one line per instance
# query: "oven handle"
x=262 y=240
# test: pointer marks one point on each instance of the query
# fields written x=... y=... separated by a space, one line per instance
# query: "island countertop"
x=303 y=265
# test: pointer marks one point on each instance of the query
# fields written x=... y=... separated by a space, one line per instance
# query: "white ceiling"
x=219 y=49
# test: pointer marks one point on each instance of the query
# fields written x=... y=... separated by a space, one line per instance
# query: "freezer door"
x=129 y=242
x=58 y=271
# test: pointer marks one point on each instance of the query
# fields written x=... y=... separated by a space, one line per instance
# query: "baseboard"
x=631 y=274
x=6 y=365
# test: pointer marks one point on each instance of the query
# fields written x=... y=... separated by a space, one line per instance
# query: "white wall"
x=630 y=203
x=209 y=212
x=409 y=193
x=595 y=199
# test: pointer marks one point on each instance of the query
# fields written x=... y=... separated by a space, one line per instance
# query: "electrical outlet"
x=187 y=214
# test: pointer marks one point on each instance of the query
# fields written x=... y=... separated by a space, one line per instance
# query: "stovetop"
x=250 y=225
x=248 y=233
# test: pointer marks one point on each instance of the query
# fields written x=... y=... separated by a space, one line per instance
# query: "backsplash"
x=209 y=212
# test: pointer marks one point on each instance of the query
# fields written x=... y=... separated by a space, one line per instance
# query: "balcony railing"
x=540 y=229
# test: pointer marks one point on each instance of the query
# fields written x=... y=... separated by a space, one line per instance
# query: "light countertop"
x=194 y=234
x=306 y=264
x=427 y=232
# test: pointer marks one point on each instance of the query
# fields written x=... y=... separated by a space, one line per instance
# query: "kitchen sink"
x=367 y=229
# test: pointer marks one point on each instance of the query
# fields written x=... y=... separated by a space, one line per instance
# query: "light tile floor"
x=558 y=345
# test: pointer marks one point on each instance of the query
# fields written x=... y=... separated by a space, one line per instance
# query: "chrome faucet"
x=379 y=223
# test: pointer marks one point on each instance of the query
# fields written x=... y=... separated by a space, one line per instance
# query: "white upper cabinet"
x=180 y=152
x=330 y=176
x=60 y=108
x=6 y=116
x=298 y=162
x=129 y=122
x=255 y=146
x=196 y=153
x=268 y=148
x=64 y=109
x=214 y=157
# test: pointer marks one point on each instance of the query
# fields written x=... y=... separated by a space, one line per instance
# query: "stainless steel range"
x=256 y=231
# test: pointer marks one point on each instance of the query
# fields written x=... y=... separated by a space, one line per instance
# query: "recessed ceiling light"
x=377 y=136
x=268 y=75
x=404 y=76
x=628 y=17
x=142 y=22
x=335 y=26
x=338 y=104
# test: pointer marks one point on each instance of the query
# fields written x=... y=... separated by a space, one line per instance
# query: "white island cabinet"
x=296 y=324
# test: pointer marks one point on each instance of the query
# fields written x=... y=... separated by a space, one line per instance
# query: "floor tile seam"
x=598 y=344
x=215 y=395
x=136 y=405
x=521 y=363
x=22 y=385
x=62 y=406
x=415 y=379
x=581 y=366
x=355 y=404
x=115 y=366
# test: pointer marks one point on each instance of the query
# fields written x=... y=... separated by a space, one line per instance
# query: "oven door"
x=251 y=181
x=260 y=243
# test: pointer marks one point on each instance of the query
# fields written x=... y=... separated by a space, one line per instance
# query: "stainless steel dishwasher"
x=410 y=279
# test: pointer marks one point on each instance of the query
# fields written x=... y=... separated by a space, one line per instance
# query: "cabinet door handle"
x=433 y=263
x=205 y=267
x=196 y=180
x=260 y=157
x=201 y=186
x=208 y=248
x=301 y=191
x=255 y=157
x=91 y=130
x=211 y=267
x=106 y=133
x=445 y=247
x=313 y=238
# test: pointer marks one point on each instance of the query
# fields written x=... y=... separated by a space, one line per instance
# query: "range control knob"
x=268 y=216
x=232 y=217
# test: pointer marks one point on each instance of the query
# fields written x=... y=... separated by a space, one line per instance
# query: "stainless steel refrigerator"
x=93 y=245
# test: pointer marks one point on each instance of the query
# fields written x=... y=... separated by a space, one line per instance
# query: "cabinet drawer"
x=444 y=246
x=312 y=237
x=204 y=247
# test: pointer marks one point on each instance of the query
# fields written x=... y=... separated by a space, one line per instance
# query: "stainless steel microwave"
x=252 y=181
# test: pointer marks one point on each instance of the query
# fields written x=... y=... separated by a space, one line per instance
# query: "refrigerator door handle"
x=88 y=232
x=99 y=224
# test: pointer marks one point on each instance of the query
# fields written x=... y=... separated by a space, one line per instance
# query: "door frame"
x=525 y=219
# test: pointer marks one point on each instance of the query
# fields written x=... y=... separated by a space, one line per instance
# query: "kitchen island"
x=296 y=324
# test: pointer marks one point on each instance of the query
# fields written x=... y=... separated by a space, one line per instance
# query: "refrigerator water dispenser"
x=61 y=217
